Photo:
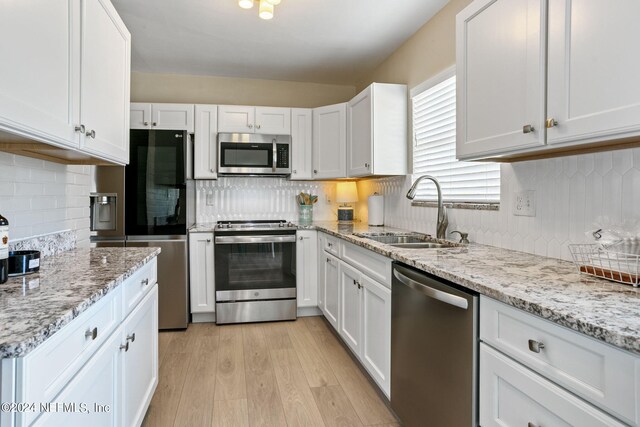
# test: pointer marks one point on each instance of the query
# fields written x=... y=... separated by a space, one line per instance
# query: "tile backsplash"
x=40 y=197
x=572 y=194
x=239 y=198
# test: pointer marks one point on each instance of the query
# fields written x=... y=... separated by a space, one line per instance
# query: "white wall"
x=572 y=193
x=236 y=198
x=40 y=197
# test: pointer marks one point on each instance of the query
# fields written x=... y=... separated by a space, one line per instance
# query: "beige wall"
x=147 y=87
x=430 y=50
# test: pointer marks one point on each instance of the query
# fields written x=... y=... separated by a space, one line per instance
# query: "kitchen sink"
x=396 y=239
x=409 y=241
x=423 y=245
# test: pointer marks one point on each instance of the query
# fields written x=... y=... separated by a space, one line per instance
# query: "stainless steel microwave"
x=253 y=154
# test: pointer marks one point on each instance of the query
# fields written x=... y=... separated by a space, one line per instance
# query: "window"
x=434 y=150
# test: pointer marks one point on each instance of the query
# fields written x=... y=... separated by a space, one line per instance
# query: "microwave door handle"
x=275 y=154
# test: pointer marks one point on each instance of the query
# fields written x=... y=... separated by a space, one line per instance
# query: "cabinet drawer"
x=46 y=370
x=332 y=245
x=591 y=369
x=137 y=286
x=368 y=262
x=512 y=395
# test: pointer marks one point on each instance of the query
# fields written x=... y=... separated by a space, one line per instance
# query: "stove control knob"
x=281 y=224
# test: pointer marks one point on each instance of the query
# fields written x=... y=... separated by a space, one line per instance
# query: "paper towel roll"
x=376 y=209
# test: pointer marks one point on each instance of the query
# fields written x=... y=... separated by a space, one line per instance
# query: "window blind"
x=434 y=151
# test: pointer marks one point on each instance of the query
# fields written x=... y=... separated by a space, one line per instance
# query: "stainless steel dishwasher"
x=434 y=347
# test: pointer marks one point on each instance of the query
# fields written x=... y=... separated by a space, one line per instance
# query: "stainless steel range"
x=255 y=269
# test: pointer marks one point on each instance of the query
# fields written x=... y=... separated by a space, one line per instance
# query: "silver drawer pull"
x=144 y=282
x=131 y=337
x=125 y=347
x=91 y=333
x=528 y=129
x=535 y=346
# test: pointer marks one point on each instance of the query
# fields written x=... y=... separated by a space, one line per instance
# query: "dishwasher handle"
x=439 y=295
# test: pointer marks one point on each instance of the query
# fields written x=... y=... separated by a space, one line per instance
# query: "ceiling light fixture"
x=266 y=7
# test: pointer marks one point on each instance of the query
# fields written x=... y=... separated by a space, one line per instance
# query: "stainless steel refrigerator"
x=151 y=202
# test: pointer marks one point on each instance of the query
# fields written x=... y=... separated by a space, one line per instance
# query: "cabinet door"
x=205 y=159
x=512 y=395
x=307 y=268
x=201 y=273
x=139 y=115
x=593 y=90
x=39 y=94
x=360 y=134
x=376 y=331
x=301 y=143
x=331 y=289
x=97 y=386
x=273 y=120
x=105 y=74
x=500 y=49
x=236 y=119
x=330 y=141
x=140 y=361
x=350 y=307
x=172 y=116
x=321 y=270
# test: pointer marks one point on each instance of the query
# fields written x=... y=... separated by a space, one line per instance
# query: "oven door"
x=255 y=266
x=246 y=158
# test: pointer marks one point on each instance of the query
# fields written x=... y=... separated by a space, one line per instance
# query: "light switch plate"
x=525 y=203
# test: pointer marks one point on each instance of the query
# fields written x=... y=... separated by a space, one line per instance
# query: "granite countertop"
x=34 y=307
x=547 y=287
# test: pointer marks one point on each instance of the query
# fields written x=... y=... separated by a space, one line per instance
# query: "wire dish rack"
x=619 y=267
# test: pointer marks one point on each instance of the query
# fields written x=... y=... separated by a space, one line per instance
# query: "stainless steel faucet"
x=443 y=222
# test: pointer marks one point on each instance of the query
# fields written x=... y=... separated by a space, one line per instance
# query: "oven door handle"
x=230 y=240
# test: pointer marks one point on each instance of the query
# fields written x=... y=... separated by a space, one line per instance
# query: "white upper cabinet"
x=330 y=141
x=105 y=89
x=205 y=150
x=247 y=119
x=377 y=131
x=593 y=87
x=500 y=76
x=301 y=143
x=39 y=94
x=527 y=87
x=68 y=81
x=162 y=116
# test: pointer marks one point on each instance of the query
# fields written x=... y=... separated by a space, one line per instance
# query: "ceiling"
x=323 y=41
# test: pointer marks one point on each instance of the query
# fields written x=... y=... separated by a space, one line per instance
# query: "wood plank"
x=196 y=401
x=363 y=396
x=300 y=408
x=316 y=368
x=230 y=374
x=230 y=413
x=277 y=336
x=164 y=342
x=264 y=403
x=335 y=407
x=171 y=378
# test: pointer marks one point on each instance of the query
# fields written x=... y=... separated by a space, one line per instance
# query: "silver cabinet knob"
x=208 y=240
x=551 y=122
x=328 y=260
x=295 y=171
x=91 y=333
x=91 y=134
x=125 y=346
x=354 y=282
x=250 y=126
x=535 y=346
x=315 y=171
x=301 y=238
x=528 y=129
x=79 y=128
x=131 y=337
x=212 y=170
x=154 y=124
x=144 y=282
x=258 y=126
x=366 y=165
x=359 y=285
x=146 y=123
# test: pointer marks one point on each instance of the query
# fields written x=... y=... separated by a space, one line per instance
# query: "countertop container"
x=23 y=262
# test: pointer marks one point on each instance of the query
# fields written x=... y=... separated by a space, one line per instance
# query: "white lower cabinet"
x=140 y=364
x=321 y=270
x=201 y=273
x=307 y=268
x=512 y=395
x=350 y=320
x=331 y=298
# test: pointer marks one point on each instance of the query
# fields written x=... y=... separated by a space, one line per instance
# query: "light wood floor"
x=263 y=374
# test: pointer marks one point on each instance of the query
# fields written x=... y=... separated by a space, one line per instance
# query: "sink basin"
x=423 y=245
x=391 y=240
x=409 y=241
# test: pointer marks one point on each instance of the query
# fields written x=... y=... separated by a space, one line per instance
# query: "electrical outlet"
x=210 y=199
x=525 y=203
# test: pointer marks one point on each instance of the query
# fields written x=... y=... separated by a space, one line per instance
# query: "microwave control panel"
x=282 y=156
